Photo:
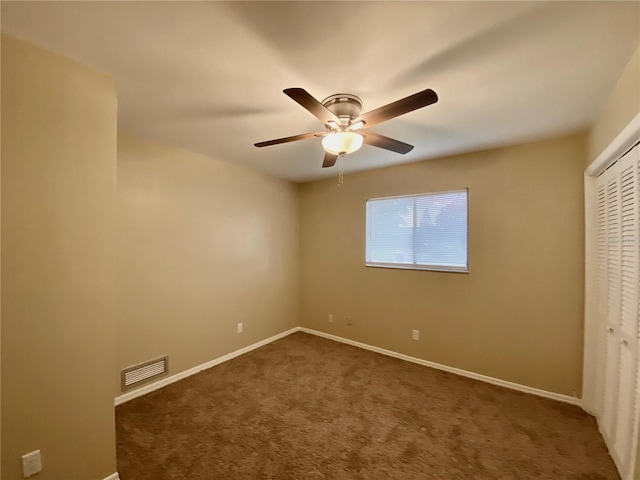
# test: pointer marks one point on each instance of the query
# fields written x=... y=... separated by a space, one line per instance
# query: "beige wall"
x=621 y=107
x=0 y=269
x=58 y=275
x=518 y=314
x=202 y=246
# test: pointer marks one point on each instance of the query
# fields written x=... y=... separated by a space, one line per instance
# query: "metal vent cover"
x=132 y=376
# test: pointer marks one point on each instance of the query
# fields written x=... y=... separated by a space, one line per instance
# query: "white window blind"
x=425 y=232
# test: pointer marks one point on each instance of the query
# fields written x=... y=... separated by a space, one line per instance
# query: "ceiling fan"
x=343 y=122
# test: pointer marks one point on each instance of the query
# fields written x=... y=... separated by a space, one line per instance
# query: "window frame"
x=414 y=266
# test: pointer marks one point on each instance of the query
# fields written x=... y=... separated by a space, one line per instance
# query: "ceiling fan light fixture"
x=341 y=116
x=356 y=126
x=342 y=143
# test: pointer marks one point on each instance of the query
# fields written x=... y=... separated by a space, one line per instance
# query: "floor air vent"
x=132 y=376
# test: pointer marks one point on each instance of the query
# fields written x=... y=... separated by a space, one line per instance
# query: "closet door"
x=618 y=230
x=601 y=271
x=609 y=180
x=628 y=327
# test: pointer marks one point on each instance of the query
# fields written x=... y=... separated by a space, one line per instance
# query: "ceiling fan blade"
x=397 y=108
x=294 y=138
x=329 y=160
x=380 y=141
x=318 y=110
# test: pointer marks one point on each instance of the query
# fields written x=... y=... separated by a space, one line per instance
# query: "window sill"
x=430 y=268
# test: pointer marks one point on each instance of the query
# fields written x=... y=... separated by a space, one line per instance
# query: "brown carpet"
x=309 y=408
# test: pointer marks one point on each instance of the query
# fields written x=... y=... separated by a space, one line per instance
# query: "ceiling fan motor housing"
x=344 y=105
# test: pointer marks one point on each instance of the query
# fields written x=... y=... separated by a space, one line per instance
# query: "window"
x=423 y=232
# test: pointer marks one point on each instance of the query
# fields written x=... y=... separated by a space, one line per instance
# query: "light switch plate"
x=31 y=463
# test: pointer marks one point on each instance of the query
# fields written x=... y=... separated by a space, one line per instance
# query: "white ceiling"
x=208 y=76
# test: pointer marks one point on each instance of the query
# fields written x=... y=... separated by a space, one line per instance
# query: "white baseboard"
x=476 y=376
x=113 y=476
x=125 y=397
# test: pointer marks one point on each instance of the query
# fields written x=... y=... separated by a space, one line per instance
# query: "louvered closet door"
x=601 y=229
x=618 y=230
x=609 y=181
x=628 y=330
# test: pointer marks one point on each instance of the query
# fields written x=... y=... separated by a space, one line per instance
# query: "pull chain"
x=340 y=170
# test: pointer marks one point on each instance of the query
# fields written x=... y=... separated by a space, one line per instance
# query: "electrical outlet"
x=415 y=334
x=239 y=328
x=31 y=463
x=331 y=318
x=349 y=320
